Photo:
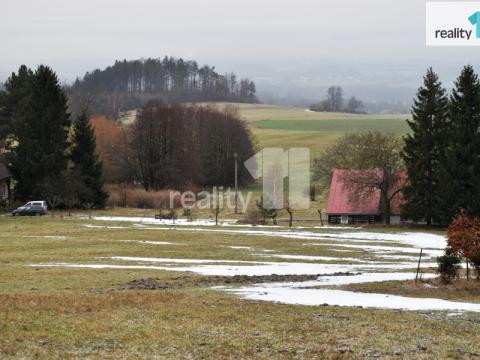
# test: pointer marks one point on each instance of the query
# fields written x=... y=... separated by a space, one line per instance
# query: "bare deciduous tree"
x=176 y=146
x=335 y=98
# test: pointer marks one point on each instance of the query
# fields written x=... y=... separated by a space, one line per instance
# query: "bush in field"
x=476 y=264
x=464 y=235
x=265 y=212
x=448 y=265
x=252 y=216
x=187 y=212
x=129 y=196
x=167 y=215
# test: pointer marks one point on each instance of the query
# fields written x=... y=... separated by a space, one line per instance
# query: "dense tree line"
x=177 y=146
x=46 y=156
x=442 y=153
x=129 y=84
x=335 y=102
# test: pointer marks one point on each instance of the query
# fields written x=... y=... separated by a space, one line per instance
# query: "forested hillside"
x=130 y=84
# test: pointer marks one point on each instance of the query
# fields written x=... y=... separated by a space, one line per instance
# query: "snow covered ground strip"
x=412 y=239
x=151 y=242
x=53 y=237
x=382 y=249
x=249 y=268
x=107 y=227
x=381 y=255
x=203 y=222
x=223 y=270
x=302 y=293
x=350 y=298
x=361 y=265
x=181 y=261
x=416 y=239
x=153 y=221
x=315 y=258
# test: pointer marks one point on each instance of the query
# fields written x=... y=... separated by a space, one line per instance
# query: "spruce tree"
x=13 y=99
x=86 y=161
x=40 y=124
x=460 y=171
x=423 y=149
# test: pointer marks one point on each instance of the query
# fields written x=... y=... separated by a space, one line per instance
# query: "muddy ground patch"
x=186 y=282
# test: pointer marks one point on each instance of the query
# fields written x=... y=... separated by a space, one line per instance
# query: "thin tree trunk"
x=290 y=214
x=468 y=271
x=386 y=205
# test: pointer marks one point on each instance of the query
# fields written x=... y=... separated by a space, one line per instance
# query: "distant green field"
x=257 y=112
x=397 y=126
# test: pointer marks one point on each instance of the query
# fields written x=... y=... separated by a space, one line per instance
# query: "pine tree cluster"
x=442 y=152
x=48 y=157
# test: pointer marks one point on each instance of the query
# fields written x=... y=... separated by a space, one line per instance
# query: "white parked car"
x=32 y=208
x=36 y=203
x=42 y=203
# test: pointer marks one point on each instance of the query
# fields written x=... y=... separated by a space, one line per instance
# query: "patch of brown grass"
x=205 y=324
x=135 y=197
x=68 y=303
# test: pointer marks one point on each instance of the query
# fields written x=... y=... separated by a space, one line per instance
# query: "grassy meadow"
x=57 y=312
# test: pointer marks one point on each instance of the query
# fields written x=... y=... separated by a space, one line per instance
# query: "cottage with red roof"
x=342 y=209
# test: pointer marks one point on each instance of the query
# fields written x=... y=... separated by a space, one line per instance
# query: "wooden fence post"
x=418 y=267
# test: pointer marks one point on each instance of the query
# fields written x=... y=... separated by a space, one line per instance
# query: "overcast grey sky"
x=75 y=36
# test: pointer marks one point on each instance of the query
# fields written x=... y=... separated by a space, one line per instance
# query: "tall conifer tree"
x=39 y=125
x=423 y=150
x=13 y=99
x=460 y=171
x=86 y=161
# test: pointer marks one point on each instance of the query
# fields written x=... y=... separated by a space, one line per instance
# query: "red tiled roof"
x=339 y=199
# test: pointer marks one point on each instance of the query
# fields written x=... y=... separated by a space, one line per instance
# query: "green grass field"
x=339 y=126
x=285 y=127
x=258 y=112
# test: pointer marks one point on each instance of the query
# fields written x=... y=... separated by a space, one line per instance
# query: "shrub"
x=187 y=212
x=252 y=216
x=464 y=235
x=265 y=213
x=475 y=260
x=168 y=215
x=448 y=265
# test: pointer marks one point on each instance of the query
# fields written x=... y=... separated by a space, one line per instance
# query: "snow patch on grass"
x=151 y=242
x=350 y=298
